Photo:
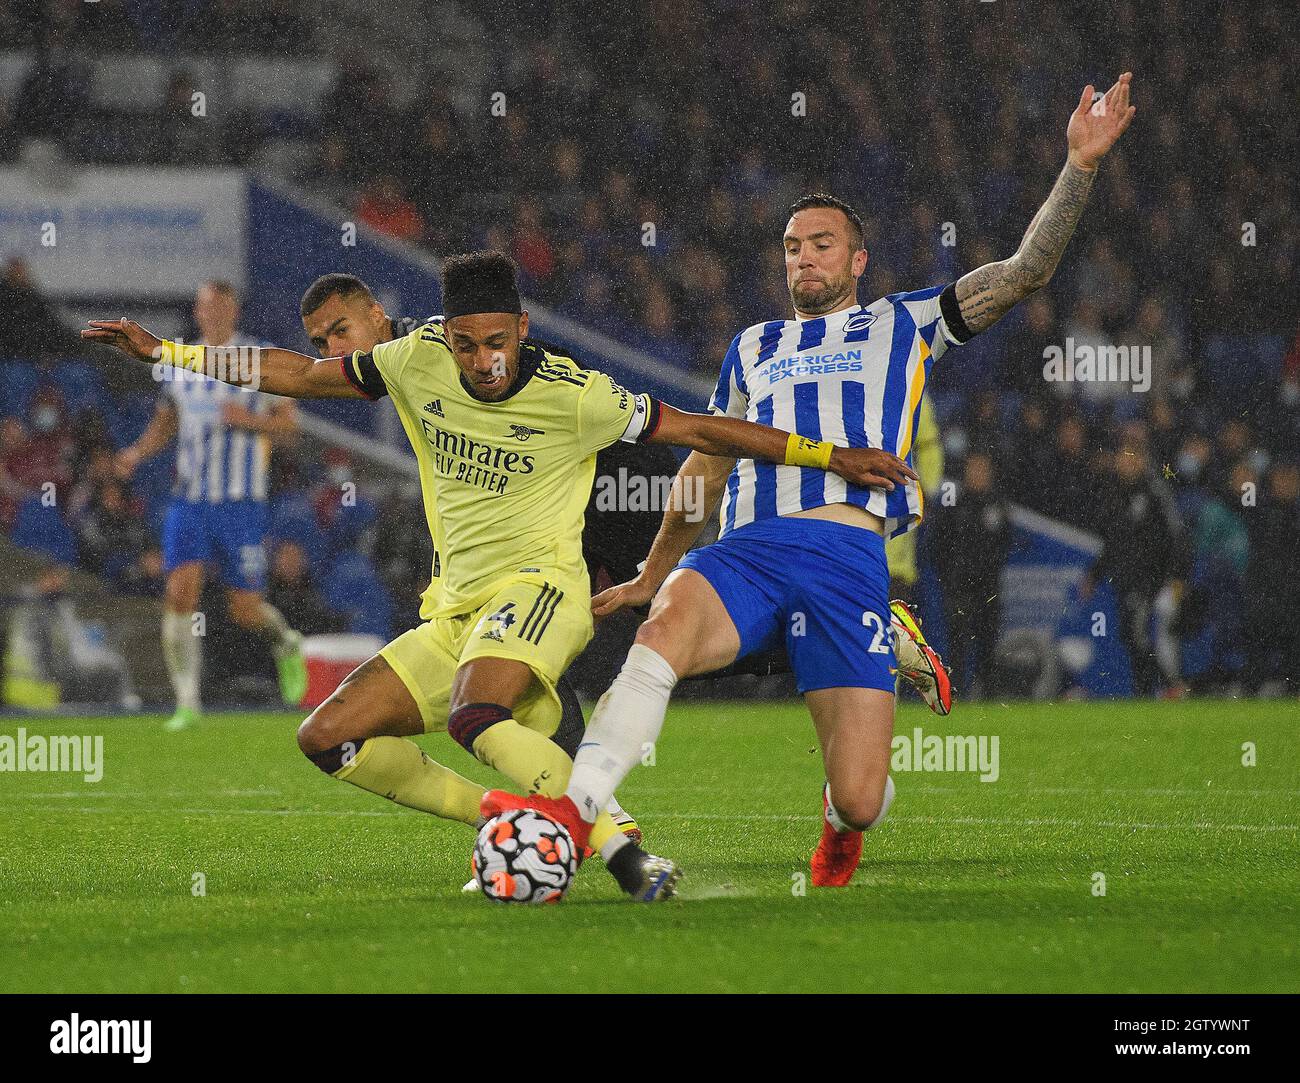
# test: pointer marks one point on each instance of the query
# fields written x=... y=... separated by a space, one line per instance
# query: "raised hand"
x=125 y=335
x=1095 y=126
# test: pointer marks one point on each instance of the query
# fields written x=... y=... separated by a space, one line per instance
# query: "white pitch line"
x=1003 y=788
x=976 y=821
x=1199 y=825
x=1151 y=791
x=227 y=811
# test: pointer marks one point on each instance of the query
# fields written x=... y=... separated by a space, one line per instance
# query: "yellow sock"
x=402 y=771
x=537 y=765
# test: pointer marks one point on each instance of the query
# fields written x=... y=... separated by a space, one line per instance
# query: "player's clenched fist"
x=125 y=335
x=871 y=467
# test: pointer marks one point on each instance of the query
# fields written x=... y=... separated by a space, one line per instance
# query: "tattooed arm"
x=988 y=293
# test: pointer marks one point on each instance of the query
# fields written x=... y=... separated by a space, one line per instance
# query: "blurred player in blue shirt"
x=218 y=513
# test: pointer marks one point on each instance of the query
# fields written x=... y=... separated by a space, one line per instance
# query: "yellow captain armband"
x=181 y=356
x=800 y=451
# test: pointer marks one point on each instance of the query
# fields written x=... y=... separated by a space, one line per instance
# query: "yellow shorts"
x=538 y=622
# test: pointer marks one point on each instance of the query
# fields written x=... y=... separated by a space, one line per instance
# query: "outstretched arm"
x=989 y=292
x=696 y=491
x=280 y=372
x=733 y=438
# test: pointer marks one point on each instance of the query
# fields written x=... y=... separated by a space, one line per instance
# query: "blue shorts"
x=819 y=586
x=229 y=533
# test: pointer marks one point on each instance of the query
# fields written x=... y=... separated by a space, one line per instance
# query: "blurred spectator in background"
x=111 y=535
x=52 y=98
x=531 y=247
x=1020 y=367
x=99 y=467
x=1140 y=532
x=145 y=576
x=290 y=590
x=47 y=456
x=13 y=490
x=1212 y=613
x=1071 y=489
x=403 y=553
x=1272 y=585
x=1150 y=331
x=31 y=328
x=384 y=207
x=977 y=523
x=183 y=133
x=1026 y=462
x=341 y=511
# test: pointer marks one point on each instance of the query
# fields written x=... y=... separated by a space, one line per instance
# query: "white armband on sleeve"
x=646 y=412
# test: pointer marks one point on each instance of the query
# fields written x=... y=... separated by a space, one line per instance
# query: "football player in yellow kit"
x=505 y=434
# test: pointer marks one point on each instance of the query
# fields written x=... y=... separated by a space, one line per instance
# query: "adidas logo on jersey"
x=434 y=408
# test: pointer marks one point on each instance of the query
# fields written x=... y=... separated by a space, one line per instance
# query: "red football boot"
x=918 y=663
x=560 y=809
x=837 y=855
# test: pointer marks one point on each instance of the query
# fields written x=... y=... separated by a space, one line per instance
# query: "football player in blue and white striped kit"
x=801 y=555
x=218 y=513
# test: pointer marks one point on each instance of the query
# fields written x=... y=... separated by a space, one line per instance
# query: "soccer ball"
x=521 y=856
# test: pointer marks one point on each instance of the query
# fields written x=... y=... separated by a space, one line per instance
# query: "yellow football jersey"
x=505 y=483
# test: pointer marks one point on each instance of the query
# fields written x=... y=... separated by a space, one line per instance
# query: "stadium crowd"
x=651 y=211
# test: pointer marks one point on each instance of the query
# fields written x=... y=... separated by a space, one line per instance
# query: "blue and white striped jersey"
x=853 y=378
x=216 y=462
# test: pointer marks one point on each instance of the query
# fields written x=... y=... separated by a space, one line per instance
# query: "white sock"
x=284 y=639
x=183 y=653
x=885 y=802
x=613 y=845
x=618 y=840
x=625 y=723
x=837 y=821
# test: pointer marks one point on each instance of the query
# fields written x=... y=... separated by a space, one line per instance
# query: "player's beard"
x=816 y=299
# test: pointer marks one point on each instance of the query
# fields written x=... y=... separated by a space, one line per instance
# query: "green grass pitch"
x=315 y=886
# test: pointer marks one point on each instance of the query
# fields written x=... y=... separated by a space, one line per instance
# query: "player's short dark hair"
x=327 y=286
x=821 y=199
x=479 y=282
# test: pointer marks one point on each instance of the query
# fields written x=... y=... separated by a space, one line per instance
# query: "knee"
x=865 y=808
x=654 y=634
x=322 y=730
x=667 y=637
x=323 y=743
